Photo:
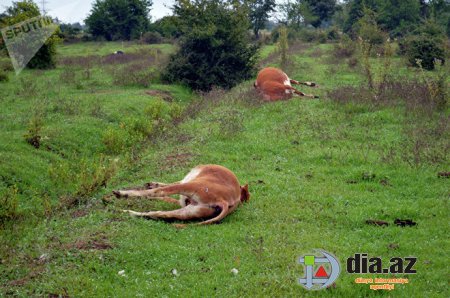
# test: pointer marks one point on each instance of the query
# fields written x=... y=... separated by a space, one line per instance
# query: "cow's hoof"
x=118 y=194
x=151 y=185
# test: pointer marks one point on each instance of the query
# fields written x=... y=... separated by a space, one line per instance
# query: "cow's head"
x=245 y=195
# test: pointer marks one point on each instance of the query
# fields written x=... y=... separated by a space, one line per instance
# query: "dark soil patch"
x=79 y=213
x=22 y=281
x=95 y=242
x=177 y=160
x=379 y=223
x=404 y=222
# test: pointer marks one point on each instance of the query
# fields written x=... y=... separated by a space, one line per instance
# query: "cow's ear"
x=245 y=195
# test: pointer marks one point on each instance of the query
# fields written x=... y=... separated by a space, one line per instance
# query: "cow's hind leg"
x=186 y=213
x=160 y=193
x=171 y=189
x=304 y=94
x=310 y=84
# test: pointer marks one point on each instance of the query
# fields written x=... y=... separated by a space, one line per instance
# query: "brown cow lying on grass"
x=207 y=192
x=274 y=85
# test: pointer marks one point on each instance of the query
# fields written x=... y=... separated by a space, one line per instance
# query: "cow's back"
x=272 y=74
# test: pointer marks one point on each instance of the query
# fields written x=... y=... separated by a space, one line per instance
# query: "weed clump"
x=3 y=76
x=33 y=136
x=9 y=203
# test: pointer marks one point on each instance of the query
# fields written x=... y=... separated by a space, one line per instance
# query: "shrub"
x=6 y=66
x=333 y=34
x=114 y=140
x=151 y=37
x=345 y=48
x=92 y=176
x=9 y=204
x=33 y=136
x=426 y=49
x=45 y=57
x=215 y=48
x=368 y=30
x=3 y=76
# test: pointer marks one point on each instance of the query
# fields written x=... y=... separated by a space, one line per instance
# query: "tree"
x=119 y=19
x=322 y=9
x=215 y=49
x=24 y=10
x=167 y=26
x=440 y=11
x=297 y=13
x=70 y=31
x=398 y=17
x=356 y=12
x=259 y=13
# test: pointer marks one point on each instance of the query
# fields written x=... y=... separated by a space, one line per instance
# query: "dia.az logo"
x=320 y=272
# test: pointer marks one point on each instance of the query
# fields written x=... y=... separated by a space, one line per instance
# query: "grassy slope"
x=305 y=152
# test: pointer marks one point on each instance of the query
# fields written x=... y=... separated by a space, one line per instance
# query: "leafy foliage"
x=167 y=26
x=297 y=13
x=425 y=49
x=126 y=19
x=214 y=48
x=151 y=37
x=322 y=9
x=259 y=13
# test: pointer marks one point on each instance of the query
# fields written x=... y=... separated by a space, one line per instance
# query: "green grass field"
x=317 y=170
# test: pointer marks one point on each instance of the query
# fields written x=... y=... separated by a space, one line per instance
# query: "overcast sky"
x=71 y=11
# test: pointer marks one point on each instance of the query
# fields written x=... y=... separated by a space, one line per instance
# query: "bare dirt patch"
x=94 y=242
x=22 y=281
x=181 y=159
x=78 y=213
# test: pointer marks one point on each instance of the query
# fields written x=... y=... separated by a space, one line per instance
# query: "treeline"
x=130 y=19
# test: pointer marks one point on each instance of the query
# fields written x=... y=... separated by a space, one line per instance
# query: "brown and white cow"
x=274 y=84
x=207 y=192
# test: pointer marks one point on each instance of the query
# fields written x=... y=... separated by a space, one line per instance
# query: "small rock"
x=121 y=272
x=175 y=272
x=43 y=258
x=234 y=271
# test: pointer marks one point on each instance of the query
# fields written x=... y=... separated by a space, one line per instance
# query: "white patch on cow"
x=287 y=82
x=191 y=175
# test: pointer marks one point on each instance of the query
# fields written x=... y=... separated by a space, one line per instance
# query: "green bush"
x=426 y=49
x=6 y=66
x=45 y=57
x=151 y=38
x=3 y=76
x=215 y=49
x=333 y=34
x=9 y=203
x=114 y=140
